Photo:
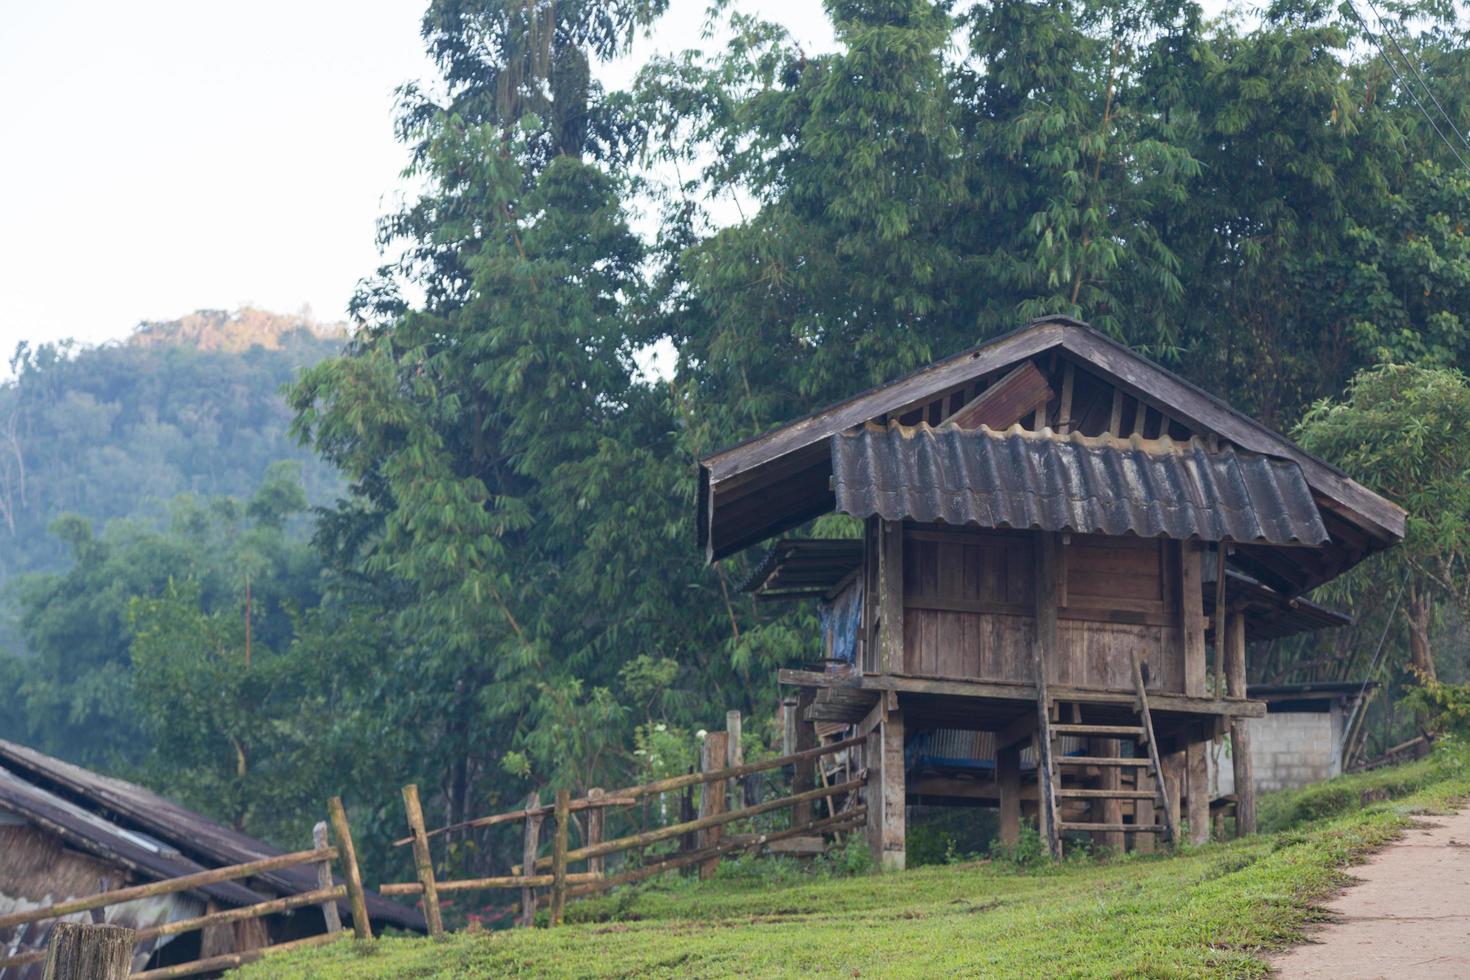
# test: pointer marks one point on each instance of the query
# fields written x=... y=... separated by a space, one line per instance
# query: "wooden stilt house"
x=1047 y=519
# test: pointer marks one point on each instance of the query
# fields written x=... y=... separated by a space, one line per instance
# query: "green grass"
x=1207 y=911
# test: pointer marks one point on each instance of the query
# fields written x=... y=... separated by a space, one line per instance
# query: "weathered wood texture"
x=1240 y=746
x=330 y=916
x=714 y=753
x=890 y=603
x=969 y=598
x=1018 y=394
x=83 y=951
x=1192 y=613
x=559 y=855
x=530 y=846
x=423 y=862
x=362 y=928
x=1008 y=779
x=1043 y=654
x=1198 y=776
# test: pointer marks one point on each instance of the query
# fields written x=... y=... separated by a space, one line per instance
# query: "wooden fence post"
x=712 y=756
x=559 y=856
x=83 y=951
x=596 y=819
x=423 y=861
x=528 y=860
x=362 y=928
x=330 y=915
x=734 y=756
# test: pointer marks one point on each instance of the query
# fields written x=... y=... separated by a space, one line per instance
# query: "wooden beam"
x=1198 y=775
x=1163 y=703
x=1240 y=746
x=1021 y=392
x=1064 y=410
x=1192 y=616
x=1044 y=654
x=890 y=597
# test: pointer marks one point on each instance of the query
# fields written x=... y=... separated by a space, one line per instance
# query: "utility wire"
x=1388 y=32
x=1400 y=77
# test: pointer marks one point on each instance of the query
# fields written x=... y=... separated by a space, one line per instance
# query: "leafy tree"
x=1398 y=430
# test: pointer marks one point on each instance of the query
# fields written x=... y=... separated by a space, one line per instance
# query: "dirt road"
x=1409 y=918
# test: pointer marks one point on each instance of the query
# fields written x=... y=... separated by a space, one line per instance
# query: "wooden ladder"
x=1051 y=763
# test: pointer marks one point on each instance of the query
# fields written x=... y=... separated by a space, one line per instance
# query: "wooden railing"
x=553 y=871
x=325 y=895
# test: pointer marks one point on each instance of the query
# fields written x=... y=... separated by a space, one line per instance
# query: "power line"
x=1400 y=78
x=1388 y=32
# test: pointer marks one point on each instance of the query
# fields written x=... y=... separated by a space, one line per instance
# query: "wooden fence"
x=325 y=895
x=720 y=768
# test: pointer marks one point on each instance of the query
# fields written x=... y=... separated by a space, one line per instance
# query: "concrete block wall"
x=1289 y=749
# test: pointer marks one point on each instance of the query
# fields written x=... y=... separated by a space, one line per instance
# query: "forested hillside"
x=187 y=406
x=508 y=598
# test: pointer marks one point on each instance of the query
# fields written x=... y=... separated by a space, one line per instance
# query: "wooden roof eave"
x=746 y=462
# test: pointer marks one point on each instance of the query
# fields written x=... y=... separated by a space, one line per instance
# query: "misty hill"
x=186 y=406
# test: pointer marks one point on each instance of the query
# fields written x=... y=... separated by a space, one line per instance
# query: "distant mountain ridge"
x=233 y=332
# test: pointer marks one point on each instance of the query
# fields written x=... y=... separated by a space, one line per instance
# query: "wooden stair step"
x=1098 y=760
x=1125 y=828
x=1107 y=794
x=1116 y=731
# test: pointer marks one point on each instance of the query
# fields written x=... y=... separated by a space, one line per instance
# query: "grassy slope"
x=1207 y=911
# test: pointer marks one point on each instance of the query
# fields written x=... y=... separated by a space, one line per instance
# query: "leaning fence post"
x=528 y=858
x=559 y=856
x=324 y=877
x=595 y=823
x=423 y=862
x=361 y=927
x=83 y=951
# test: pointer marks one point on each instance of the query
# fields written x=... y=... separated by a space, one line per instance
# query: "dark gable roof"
x=93 y=802
x=764 y=485
x=1019 y=480
x=85 y=831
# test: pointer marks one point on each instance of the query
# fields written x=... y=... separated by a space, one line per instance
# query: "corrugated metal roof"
x=1089 y=485
x=198 y=842
x=804 y=567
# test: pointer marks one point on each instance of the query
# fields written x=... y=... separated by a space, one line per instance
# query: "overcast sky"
x=164 y=156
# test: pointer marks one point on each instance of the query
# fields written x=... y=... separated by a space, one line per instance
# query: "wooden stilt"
x=1008 y=781
x=1240 y=745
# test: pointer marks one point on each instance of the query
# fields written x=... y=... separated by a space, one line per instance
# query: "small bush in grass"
x=1027 y=852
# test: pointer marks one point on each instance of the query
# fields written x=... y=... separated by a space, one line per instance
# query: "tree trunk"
x=1421 y=658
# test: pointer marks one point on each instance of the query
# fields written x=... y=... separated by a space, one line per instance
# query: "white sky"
x=164 y=156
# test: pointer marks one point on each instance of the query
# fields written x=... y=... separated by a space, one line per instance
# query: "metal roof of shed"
x=97 y=812
x=1038 y=480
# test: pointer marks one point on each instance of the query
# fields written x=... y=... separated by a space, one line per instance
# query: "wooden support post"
x=529 y=848
x=1198 y=789
x=1043 y=654
x=1064 y=410
x=735 y=757
x=788 y=725
x=803 y=772
x=1143 y=813
x=1109 y=811
x=1240 y=745
x=1008 y=782
x=1173 y=767
x=83 y=951
x=890 y=597
x=362 y=927
x=1221 y=550
x=892 y=793
x=559 y=856
x=1192 y=616
x=712 y=756
x=423 y=861
x=319 y=842
x=596 y=822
